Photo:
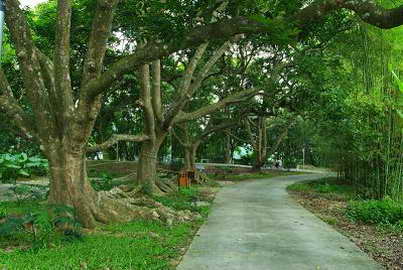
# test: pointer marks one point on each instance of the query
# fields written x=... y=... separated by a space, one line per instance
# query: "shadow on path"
x=256 y=225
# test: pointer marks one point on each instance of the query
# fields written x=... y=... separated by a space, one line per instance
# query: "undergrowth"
x=184 y=199
x=386 y=214
x=140 y=244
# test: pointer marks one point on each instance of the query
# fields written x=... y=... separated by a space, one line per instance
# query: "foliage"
x=40 y=228
x=104 y=182
x=331 y=187
x=184 y=199
x=23 y=192
x=13 y=166
x=384 y=211
x=141 y=245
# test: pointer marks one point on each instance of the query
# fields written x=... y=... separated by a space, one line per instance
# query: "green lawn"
x=327 y=187
x=137 y=245
x=140 y=244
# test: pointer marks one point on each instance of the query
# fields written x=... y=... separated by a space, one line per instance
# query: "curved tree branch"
x=232 y=99
x=225 y=29
x=11 y=107
x=114 y=139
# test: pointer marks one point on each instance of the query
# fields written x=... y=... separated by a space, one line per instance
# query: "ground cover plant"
x=374 y=225
x=150 y=82
x=139 y=244
x=13 y=166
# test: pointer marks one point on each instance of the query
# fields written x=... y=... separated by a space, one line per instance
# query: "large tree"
x=63 y=113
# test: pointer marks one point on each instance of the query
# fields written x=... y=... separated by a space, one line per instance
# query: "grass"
x=17 y=208
x=137 y=245
x=140 y=244
x=251 y=176
x=386 y=214
x=185 y=199
x=330 y=188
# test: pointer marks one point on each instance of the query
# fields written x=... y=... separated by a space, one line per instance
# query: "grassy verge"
x=140 y=244
x=251 y=176
x=376 y=226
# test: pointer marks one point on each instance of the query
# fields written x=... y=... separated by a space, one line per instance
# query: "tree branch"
x=183 y=143
x=226 y=29
x=11 y=107
x=188 y=76
x=234 y=98
x=146 y=100
x=97 y=44
x=367 y=10
x=114 y=139
x=249 y=132
x=62 y=59
x=225 y=125
x=186 y=93
x=156 y=91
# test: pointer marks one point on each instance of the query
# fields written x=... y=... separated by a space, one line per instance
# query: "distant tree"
x=63 y=110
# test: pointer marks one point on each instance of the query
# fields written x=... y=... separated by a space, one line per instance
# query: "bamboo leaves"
x=400 y=96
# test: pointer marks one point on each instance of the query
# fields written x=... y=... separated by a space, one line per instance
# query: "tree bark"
x=190 y=156
x=259 y=143
x=70 y=186
x=148 y=163
x=228 y=150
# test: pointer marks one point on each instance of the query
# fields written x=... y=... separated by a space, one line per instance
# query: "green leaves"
x=398 y=81
x=400 y=97
x=17 y=165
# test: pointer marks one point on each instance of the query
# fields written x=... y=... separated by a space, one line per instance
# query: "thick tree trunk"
x=228 y=150
x=148 y=163
x=259 y=162
x=69 y=186
x=261 y=144
x=190 y=156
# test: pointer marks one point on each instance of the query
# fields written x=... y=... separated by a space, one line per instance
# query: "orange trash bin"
x=183 y=180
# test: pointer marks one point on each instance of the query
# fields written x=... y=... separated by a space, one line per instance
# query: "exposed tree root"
x=201 y=178
x=167 y=185
x=117 y=205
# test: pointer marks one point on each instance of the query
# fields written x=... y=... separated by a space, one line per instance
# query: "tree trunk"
x=228 y=150
x=69 y=185
x=261 y=144
x=148 y=163
x=258 y=163
x=190 y=156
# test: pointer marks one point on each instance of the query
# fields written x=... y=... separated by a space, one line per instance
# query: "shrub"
x=20 y=165
x=42 y=227
x=102 y=183
x=3 y=212
x=27 y=192
x=302 y=187
x=384 y=211
x=184 y=199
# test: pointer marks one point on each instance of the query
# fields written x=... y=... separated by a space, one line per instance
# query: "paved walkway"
x=255 y=225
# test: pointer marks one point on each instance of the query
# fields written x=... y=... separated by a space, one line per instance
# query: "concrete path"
x=255 y=225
